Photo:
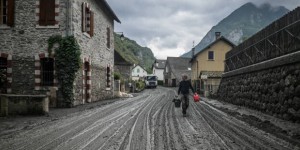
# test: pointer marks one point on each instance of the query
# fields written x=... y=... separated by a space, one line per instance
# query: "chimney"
x=218 y=35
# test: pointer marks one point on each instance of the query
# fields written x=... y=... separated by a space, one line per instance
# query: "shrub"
x=117 y=76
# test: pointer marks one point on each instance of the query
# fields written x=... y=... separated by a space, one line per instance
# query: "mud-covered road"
x=148 y=121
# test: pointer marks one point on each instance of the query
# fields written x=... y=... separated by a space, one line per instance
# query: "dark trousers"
x=184 y=102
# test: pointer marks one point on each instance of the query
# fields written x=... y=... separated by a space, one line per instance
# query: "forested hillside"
x=134 y=53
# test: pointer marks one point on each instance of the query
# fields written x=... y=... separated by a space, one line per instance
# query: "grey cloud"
x=176 y=21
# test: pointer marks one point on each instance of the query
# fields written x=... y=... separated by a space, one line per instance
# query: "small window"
x=108 y=76
x=47 y=71
x=108 y=37
x=47 y=13
x=138 y=70
x=6 y=12
x=210 y=55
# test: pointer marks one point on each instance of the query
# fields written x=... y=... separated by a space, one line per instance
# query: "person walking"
x=183 y=89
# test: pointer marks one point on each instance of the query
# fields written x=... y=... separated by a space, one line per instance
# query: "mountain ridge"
x=241 y=24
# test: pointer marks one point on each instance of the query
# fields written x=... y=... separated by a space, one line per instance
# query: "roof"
x=161 y=64
x=140 y=66
x=119 y=60
x=108 y=10
x=222 y=38
x=212 y=74
x=179 y=66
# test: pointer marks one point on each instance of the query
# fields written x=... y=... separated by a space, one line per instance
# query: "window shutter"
x=92 y=24
x=83 y=17
x=11 y=12
x=43 y=13
x=51 y=12
x=108 y=38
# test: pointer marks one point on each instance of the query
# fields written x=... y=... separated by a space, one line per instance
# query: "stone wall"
x=272 y=87
x=95 y=49
x=26 y=40
x=124 y=70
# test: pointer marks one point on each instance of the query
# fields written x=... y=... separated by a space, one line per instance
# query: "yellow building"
x=208 y=65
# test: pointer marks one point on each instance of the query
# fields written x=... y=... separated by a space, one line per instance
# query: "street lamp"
x=121 y=36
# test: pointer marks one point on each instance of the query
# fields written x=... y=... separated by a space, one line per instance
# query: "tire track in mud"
x=149 y=121
x=235 y=133
x=176 y=139
x=42 y=135
x=135 y=131
x=98 y=139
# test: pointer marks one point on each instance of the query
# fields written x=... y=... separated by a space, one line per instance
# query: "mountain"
x=242 y=24
x=134 y=53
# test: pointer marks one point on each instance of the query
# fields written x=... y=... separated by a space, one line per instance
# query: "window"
x=138 y=70
x=7 y=12
x=210 y=55
x=3 y=74
x=87 y=19
x=108 y=75
x=47 y=71
x=108 y=37
x=47 y=13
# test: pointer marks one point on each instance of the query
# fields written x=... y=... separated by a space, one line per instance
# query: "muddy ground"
x=149 y=121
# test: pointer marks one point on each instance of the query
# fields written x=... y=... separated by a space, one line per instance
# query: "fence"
x=279 y=38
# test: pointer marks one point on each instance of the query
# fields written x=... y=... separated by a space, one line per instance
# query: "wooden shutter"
x=51 y=12
x=92 y=24
x=83 y=17
x=43 y=13
x=108 y=38
x=11 y=12
x=47 y=12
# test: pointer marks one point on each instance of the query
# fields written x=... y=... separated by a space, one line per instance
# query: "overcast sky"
x=169 y=27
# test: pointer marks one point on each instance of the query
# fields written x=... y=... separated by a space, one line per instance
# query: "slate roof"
x=179 y=66
x=212 y=74
x=208 y=46
x=161 y=64
x=108 y=10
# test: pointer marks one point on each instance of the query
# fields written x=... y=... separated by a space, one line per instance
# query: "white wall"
x=159 y=73
x=141 y=73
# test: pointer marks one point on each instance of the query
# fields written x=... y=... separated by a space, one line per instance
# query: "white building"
x=158 y=68
x=138 y=72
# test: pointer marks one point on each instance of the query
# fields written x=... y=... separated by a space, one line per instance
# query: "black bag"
x=177 y=102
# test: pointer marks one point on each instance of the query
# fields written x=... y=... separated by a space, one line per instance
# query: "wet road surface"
x=149 y=121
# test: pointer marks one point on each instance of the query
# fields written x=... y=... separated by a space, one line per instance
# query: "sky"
x=169 y=27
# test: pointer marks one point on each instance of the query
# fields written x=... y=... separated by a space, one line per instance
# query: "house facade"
x=208 y=65
x=174 y=69
x=122 y=66
x=24 y=55
x=158 y=68
x=138 y=72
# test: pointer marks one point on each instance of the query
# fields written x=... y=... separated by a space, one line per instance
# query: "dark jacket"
x=184 y=87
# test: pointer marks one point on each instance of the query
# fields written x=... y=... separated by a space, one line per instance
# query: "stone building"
x=25 y=27
x=122 y=66
x=174 y=69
